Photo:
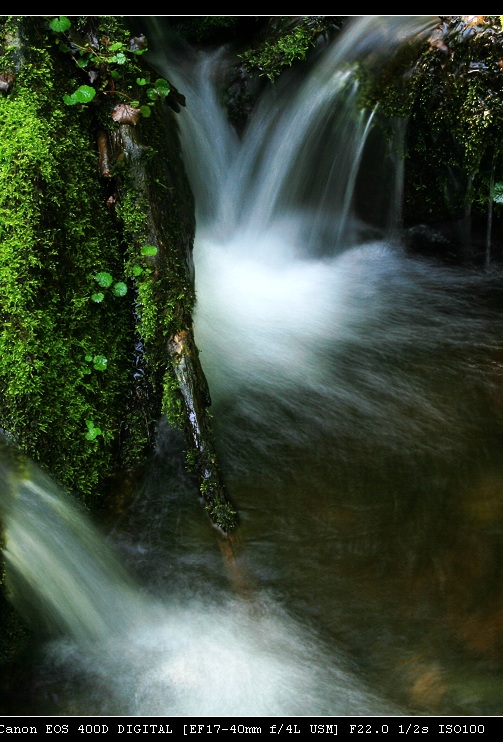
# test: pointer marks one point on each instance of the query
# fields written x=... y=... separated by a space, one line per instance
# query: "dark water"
x=357 y=403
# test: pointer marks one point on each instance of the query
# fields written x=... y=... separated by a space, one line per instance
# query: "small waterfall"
x=296 y=165
x=307 y=313
x=121 y=651
x=55 y=559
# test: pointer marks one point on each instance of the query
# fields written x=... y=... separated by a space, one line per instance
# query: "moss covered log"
x=65 y=359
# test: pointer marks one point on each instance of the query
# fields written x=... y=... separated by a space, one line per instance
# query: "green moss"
x=56 y=233
x=161 y=217
x=450 y=92
x=287 y=40
x=172 y=401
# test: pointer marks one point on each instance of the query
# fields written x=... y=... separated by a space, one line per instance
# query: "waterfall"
x=124 y=652
x=356 y=400
x=55 y=560
x=306 y=312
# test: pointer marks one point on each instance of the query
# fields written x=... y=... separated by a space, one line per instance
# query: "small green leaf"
x=145 y=111
x=100 y=363
x=137 y=270
x=92 y=432
x=89 y=358
x=149 y=250
x=115 y=74
x=116 y=46
x=119 y=58
x=60 y=24
x=119 y=289
x=84 y=94
x=141 y=81
x=82 y=62
x=98 y=298
x=162 y=86
x=152 y=94
x=104 y=279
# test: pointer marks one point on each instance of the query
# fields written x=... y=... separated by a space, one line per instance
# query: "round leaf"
x=100 y=363
x=84 y=94
x=162 y=87
x=60 y=24
x=104 y=279
x=120 y=289
x=93 y=433
x=161 y=83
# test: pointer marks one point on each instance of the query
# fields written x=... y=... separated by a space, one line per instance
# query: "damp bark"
x=151 y=182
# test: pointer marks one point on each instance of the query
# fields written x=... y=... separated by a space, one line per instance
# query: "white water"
x=305 y=310
x=118 y=651
x=355 y=408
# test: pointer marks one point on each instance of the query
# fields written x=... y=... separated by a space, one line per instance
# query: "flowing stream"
x=357 y=403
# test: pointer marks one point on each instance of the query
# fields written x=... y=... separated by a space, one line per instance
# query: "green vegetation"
x=287 y=40
x=72 y=280
x=450 y=91
x=84 y=313
x=105 y=280
x=55 y=234
x=103 y=63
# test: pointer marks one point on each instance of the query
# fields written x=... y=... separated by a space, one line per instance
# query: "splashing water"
x=124 y=652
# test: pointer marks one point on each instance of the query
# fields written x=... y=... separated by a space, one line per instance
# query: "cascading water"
x=357 y=408
x=117 y=651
